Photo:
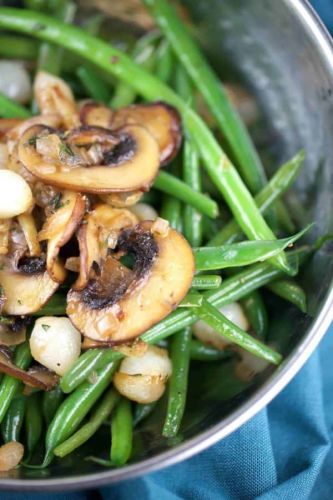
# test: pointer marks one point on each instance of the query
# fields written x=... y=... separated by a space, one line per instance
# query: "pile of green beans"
x=167 y=65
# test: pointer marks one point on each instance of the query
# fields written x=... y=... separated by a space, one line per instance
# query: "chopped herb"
x=32 y=141
x=2 y=266
x=66 y=149
x=19 y=302
x=45 y=327
x=6 y=321
x=56 y=201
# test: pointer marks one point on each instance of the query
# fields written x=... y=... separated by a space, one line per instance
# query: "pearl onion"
x=249 y=366
x=234 y=313
x=143 y=379
x=15 y=194
x=143 y=211
x=15 y=82
x=55 y=343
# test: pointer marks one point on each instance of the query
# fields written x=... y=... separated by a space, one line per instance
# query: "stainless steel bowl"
x=280 y=52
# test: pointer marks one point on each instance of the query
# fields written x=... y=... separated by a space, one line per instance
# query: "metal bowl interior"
x=280 y=52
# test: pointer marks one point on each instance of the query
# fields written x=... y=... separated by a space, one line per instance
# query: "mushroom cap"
x=130 y=163
x=121 y=304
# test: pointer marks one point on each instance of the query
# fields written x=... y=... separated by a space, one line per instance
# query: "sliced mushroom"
x=59 y=228
x=7 y=124
x=4 y=235
x=121 y=304
x=53 y=95
x=28 y=226
x=96 y=114
x=27 y=288
x=100 y=232
x=48 y=120
x=38 y=377
x=12 y=330
x=125 y=161
x=122 y=200
x=162 y=121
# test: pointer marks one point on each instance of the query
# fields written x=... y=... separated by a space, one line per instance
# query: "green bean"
x=256 y=313
x=191 y=175
x=203 y=352
x=241 y=254
x=11 y=109
x=50 y=56
x=14 y=418
x=56 y=306
x=93 y=84
x=51 y=401
x=121 y=430
x=212 y=90
x=290 y=291
x=74 y=408
x=142 y=411
x=33 y=422
x=178 y=189
x=220 y=169
x=231 y=290
x=278 y=184
x=180 y=357
x=164 y=61
x=171 y=211
x=192 y=299
x=91 y=360
x=191 y=168
x=10 y=385
x=41 y=5
x=204 y=282
x=212 y=316
x=284 y=218
x=143 y=54
x=101 y=413
x=18 y=47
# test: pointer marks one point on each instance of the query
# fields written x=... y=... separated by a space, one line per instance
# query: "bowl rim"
x=264 y=395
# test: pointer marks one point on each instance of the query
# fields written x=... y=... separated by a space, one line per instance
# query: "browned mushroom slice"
x=28 y=288
x=121 y=200
x=38 y=377
x=52 y=120
x=99 y=233
x=95 y=114
x=126 y=161
x=53 y=95
x=162 y=121
x=122 y=303
x=28 y=226
x=59 y=228
x=12 y=330
x=7 y=124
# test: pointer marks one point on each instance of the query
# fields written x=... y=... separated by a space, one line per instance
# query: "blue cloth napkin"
x=283 y=453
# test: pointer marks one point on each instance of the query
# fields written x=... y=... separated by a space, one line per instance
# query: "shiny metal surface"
x=280 y=51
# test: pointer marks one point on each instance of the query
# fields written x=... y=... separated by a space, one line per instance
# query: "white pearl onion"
x=143 y=378
x=15 y=194
x=55 y=343
x=143 y=211
x=15 y=81
x=234 y=313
